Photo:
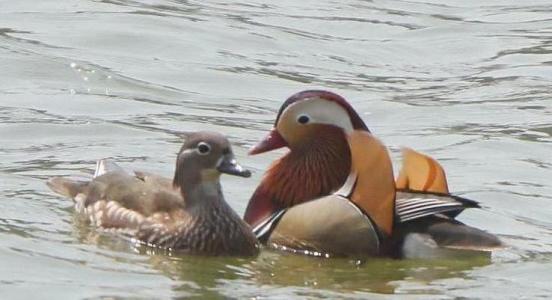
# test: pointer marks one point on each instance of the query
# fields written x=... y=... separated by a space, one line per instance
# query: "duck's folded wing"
x=411 y=205
x=154 y=179
x=132 y=193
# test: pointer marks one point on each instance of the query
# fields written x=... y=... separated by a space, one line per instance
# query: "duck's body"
x=312 y=228
x=188 y=214
x=314 y=167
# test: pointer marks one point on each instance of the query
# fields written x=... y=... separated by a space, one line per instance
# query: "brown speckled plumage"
x=212 y=228
x=187 y=214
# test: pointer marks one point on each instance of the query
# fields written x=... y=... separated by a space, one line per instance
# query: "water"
x=466 y=82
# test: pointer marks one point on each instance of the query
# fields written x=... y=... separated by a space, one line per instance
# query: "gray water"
x=468 y=82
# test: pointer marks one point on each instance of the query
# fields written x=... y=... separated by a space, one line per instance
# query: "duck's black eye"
x=203 y=148
x=303 y=119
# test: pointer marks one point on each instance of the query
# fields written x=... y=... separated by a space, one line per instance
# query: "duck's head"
x=203 y=157
x=314 y=125
x=328 y=142
x=306 y=116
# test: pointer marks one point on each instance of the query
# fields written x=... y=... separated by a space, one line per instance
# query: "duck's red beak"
x=273 y=140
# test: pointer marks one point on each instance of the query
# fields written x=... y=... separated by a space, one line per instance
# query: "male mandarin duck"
x=334 y=192
x=188 y=214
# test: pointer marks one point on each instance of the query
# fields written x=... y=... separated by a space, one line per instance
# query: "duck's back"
x=133 y=193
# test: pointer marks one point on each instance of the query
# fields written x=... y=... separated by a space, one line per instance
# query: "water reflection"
x=245 y=277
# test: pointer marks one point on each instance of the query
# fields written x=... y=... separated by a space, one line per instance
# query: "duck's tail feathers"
x=106 y=165
x=66 y=187
x=456 y=235
x=435 y=237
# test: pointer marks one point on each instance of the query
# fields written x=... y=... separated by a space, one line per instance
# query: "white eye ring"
x=303 y=119
x=203 y=148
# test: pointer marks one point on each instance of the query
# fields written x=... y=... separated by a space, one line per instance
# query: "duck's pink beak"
x=273 y=140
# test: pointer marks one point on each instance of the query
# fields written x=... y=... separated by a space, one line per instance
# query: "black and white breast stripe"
x=264 y=229
x=410 y=205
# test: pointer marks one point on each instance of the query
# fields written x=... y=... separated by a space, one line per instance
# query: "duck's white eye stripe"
x=203 y=148
x=318 y=111
x=188 y=151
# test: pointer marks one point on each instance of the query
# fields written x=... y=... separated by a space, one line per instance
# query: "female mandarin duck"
x=188 y=214
x=334 y=192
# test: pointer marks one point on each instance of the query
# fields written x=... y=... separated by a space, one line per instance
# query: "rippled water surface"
x=468 y=82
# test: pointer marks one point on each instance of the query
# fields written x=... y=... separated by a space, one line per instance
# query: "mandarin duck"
x=334 y=192
x=188 y=214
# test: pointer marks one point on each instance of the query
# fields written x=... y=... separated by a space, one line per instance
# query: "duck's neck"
x=319 y=167
x=198 y=191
